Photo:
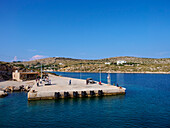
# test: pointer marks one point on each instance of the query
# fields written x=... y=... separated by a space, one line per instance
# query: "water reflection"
x=120 y=78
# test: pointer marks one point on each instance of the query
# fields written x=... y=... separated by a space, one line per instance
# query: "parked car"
x=90 y=80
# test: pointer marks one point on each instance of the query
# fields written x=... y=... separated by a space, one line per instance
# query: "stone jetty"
x=60 y=88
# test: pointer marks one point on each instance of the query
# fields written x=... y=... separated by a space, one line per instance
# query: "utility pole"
x=108 y=78
x=80 y=72
x=41 y=71
x=100 y=74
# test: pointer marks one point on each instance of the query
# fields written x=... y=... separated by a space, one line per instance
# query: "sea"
x=146 y=104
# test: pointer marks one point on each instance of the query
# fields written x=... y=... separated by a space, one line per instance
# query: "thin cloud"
x=37 y=57
x=164 y=53
x=15 y=58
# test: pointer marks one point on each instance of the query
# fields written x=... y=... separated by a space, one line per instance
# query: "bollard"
x=83 y=93
x=75 y=94
x=92 y=93
x=57 y=95
x=66 y=94
x=100 y=92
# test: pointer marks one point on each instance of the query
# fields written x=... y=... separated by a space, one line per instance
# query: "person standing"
x=117 y=85
x=87 y=81
x=69 y=82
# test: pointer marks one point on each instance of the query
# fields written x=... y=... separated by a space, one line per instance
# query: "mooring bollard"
x=92 y=93
x=75 y=94
x=83 y=93
x=66 y=94
x=57 y=95
x=100 y=92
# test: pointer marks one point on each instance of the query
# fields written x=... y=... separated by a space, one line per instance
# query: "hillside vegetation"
x=5 y=71
x=133 y=64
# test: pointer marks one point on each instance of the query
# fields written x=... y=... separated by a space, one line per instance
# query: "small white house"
x=60 y=63
x=107 y=63
x=121 y=62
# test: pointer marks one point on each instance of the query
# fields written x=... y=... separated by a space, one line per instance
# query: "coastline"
x=116 y=72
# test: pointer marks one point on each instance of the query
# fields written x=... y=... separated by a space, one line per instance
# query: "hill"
x=133 y=64
x=5 y=71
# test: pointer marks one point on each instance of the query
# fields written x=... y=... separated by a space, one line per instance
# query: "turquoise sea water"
x=146 y=104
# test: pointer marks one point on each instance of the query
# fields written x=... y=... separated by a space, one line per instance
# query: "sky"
x=84 y=29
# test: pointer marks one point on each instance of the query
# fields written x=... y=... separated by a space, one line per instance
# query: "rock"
x=6 y=89
x=22 y=88
x=1 y=89
x=9 y=89
x=3 y=94
x=16 y=89
x=27 y=88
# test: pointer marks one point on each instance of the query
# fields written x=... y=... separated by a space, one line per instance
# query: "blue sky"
x=86 y=29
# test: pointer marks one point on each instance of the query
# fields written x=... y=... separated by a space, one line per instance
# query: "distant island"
x=123 y=64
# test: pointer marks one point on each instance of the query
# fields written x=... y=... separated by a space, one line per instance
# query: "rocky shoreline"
x=14 y=86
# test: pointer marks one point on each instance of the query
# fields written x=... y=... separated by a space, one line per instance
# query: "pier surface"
x=5 y=84
x=60 y=88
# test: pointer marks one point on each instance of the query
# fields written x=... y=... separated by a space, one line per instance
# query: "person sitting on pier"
x=100 y=83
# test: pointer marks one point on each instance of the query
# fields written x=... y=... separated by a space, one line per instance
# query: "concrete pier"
x=60 y=88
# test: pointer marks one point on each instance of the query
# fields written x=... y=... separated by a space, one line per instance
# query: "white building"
x=121 y=62
x=107 y=63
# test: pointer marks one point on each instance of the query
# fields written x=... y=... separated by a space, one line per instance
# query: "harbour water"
x=146 y=104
